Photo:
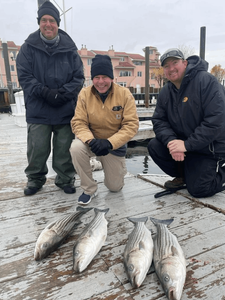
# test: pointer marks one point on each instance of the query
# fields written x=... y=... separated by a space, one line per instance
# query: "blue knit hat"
x=101 y=65
x=47 y=8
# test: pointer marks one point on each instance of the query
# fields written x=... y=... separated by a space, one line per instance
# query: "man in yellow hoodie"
x=105 y=120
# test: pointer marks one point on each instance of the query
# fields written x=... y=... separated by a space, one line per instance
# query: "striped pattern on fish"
x=138 y=252
x=56 y=232
x=90 y=241
x=169 y=260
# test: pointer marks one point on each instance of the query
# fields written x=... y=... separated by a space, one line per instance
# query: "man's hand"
x=100 y=147
x=178 y=156
x=177 y=149
x=176 y=146
x=53 y=97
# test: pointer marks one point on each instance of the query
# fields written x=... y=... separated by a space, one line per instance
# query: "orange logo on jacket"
x=185 y=99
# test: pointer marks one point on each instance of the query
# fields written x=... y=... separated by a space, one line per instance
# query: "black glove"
x=100 y=147
x=53 y=97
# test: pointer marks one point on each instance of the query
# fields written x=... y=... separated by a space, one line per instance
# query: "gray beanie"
x=47 y=8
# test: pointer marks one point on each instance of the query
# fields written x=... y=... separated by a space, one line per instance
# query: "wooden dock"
x=199 y=225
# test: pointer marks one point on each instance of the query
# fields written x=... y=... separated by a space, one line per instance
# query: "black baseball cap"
x=173 y=52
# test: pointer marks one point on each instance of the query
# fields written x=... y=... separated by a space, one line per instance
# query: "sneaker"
x=69 y=189
x=29 y=191
x=175 y=183
x=84 y=199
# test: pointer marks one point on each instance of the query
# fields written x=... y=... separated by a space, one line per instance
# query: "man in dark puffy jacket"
x=189 y=124
x=50 y=73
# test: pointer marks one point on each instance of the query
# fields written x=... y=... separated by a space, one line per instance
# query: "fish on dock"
x=56 y=232
x=90 y=241
x=138 y=252
x=169 y=260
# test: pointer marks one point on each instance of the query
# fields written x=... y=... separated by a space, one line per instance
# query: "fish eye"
x=76 y=253
x=166 y=277
x=131 y=267
x=44 y=246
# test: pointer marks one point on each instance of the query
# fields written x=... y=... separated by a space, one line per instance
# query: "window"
x=12 y=68
x=14 y=85
x=121 y=58
x=152 y=76
x=125 y=73
x=150 y=51
x=137 y=63
x=122 y=83
x=139 y=74
x=89 y=61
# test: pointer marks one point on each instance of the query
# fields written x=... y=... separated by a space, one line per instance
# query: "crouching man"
x=105 y=120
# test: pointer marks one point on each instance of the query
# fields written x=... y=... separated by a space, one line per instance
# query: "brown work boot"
x=175 y=183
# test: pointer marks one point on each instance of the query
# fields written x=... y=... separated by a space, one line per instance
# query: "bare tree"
x=187 y=50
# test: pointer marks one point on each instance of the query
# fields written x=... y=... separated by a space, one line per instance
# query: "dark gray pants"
x=39 y=139
x=204 y=175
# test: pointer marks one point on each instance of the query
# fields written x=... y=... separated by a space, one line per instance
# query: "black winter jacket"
x=195 y=113
x=37 y=68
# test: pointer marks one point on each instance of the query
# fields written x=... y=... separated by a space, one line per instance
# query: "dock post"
x=146 y=76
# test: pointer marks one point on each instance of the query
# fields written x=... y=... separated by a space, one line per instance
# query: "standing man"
x=105 y=120
x=50 y=73
x=189 y=124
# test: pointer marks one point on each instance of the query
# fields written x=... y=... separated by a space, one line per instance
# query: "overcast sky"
x=128 y=25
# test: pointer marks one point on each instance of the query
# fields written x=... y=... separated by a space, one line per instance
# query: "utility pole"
x=146 y=76
x=202 y=42
x=8 y=73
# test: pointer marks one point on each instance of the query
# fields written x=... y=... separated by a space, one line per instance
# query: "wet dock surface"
x=199 y=225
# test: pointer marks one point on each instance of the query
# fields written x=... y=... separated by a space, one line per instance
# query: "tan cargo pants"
x=114 y=168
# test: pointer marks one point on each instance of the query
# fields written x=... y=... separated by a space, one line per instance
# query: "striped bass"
x=90 y=241
x=56 y=232
x=138 y=252
x=169 y=260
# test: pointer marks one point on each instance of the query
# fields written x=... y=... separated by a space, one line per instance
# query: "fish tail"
x=165 y=222
x=96 y=210
x=84 y=209
x=137 y=220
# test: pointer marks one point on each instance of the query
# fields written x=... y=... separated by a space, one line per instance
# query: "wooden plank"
x=198 y=227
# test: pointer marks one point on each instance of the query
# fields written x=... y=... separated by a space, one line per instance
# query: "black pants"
x=204 y=175
x=40 y=139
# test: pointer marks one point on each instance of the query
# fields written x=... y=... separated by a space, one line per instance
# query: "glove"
x=53 y=97
x=100 y=147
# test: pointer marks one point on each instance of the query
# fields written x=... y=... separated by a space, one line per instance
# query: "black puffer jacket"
x=38 y=68
x=195 y=113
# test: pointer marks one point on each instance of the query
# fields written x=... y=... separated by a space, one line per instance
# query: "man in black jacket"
x=189 y=124
x=50 y=73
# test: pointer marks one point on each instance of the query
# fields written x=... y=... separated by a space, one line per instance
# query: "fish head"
x=82 y=256
x=135 y=267
x=172 y=278
x=41 y=250
x=45 y=244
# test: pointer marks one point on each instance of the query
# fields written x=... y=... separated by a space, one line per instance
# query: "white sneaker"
x=85 y=199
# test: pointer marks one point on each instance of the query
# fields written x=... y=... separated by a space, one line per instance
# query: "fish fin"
x=141 y=245
x=174 y=251
x=165 y=222
x=50 y=225
x=96 y=210
x=151 y=269
x=84 y=209
x=136 y=220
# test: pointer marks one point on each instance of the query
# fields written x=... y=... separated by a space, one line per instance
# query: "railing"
x=140 y=99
